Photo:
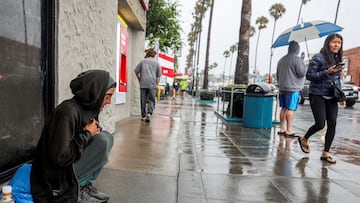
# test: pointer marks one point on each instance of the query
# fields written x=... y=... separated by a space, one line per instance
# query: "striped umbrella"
x=306 y=31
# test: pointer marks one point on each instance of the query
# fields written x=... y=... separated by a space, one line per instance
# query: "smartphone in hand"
x=340 y=64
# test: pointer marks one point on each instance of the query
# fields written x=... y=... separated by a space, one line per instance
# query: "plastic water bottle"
x=7 y=194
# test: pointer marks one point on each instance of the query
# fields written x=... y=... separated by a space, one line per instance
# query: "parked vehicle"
x=351 y=91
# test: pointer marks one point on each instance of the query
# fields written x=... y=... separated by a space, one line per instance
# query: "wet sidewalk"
x=186 y=154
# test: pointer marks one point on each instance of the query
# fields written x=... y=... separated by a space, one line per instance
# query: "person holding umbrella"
x=322 y=70
x=291 y=76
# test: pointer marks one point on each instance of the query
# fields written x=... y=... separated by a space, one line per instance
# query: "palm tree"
x=206 y=70
x=303 y=2
x=190 y=58
x=201 y=8
x=252 y=33
x=337 y=11
x=213 y=65
x=232 y=49
x=261 y=21
x=191 y=40
x=226 y=55
x=194 y=38
x=242 y=60
x=276 y=11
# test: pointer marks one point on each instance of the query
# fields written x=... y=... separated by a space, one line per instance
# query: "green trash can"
x=258 y=106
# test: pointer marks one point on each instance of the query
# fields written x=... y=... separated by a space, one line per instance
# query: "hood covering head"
x=294 y=48
x=89 y=88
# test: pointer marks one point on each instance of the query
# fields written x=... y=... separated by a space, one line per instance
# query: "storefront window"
x=21 y=94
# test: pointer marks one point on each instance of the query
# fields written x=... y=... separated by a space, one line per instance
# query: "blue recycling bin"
x=258 y=106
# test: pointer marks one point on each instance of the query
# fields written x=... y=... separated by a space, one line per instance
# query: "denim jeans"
x=95 y=156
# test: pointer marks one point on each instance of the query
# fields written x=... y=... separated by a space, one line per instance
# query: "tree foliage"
x=277 y=10
x=262 y=22
x=201 y=6
x=303 y=2
x=162 y=22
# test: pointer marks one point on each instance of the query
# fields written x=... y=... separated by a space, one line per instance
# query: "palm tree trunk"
x=242 y=60
x=224 y=72
x=206 y=70
x=297 y=22
x=198 y=49
x=337 y=11
x=256 y=49
x=193 y=70
x=271 y=52
x=231 y=59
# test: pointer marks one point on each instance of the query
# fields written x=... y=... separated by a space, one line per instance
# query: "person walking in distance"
x=73 y=148
x=291 y=77
x=175 y=87
x=323 y=69
x=148 y=73
x=183 y=87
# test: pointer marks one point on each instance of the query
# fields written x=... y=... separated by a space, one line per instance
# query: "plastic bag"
x=20 y=183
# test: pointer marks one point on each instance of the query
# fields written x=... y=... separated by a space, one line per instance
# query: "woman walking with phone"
x=324 y=68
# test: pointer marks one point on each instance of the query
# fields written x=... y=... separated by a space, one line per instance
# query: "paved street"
x=186 y=154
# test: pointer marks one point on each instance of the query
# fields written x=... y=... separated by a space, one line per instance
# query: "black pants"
x=323 y=110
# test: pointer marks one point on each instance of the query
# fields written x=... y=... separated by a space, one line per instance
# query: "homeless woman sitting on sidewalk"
x=72 y=149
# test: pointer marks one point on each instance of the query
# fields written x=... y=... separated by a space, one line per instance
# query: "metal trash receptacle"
x=258 y=106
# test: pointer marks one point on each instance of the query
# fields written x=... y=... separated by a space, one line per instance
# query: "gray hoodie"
x=291 y=70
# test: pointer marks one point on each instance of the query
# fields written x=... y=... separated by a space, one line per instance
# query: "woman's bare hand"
x=92 y=127
x=334 y=69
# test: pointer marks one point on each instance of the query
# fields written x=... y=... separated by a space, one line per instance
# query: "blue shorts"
x=289 y=101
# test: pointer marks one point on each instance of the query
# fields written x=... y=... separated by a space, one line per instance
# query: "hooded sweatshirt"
x=63 y=139
x=291 y=70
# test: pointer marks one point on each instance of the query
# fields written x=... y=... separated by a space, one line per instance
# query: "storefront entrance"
x=25 y=79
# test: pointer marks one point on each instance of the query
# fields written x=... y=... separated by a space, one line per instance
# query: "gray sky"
x=226 y=21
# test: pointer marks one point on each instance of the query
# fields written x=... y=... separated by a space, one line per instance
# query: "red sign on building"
x=167 y=65
x=123 y=52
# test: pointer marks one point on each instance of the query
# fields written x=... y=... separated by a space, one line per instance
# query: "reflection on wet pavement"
x=211 y=161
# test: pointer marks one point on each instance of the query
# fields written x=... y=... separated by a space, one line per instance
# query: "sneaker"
x=84 y=197
x=93 y=192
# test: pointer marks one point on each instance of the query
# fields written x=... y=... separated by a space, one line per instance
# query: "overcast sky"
x=226 y=22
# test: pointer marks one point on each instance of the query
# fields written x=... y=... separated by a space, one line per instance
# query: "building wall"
x=353 y=56
x=86 y=39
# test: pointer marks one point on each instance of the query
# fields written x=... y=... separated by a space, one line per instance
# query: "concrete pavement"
x=186 y=154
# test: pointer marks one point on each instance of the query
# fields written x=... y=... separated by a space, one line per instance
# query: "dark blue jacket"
x=319 y=78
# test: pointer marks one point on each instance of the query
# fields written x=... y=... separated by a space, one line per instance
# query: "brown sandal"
x=303 y=147
x=292 y=135
x=328 y=159
x=281 y=133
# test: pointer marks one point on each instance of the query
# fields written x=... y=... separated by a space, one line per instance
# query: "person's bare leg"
x=283 y=119
x=289 y=121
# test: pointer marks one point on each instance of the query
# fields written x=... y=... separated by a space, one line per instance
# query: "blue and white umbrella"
x=306 y=31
